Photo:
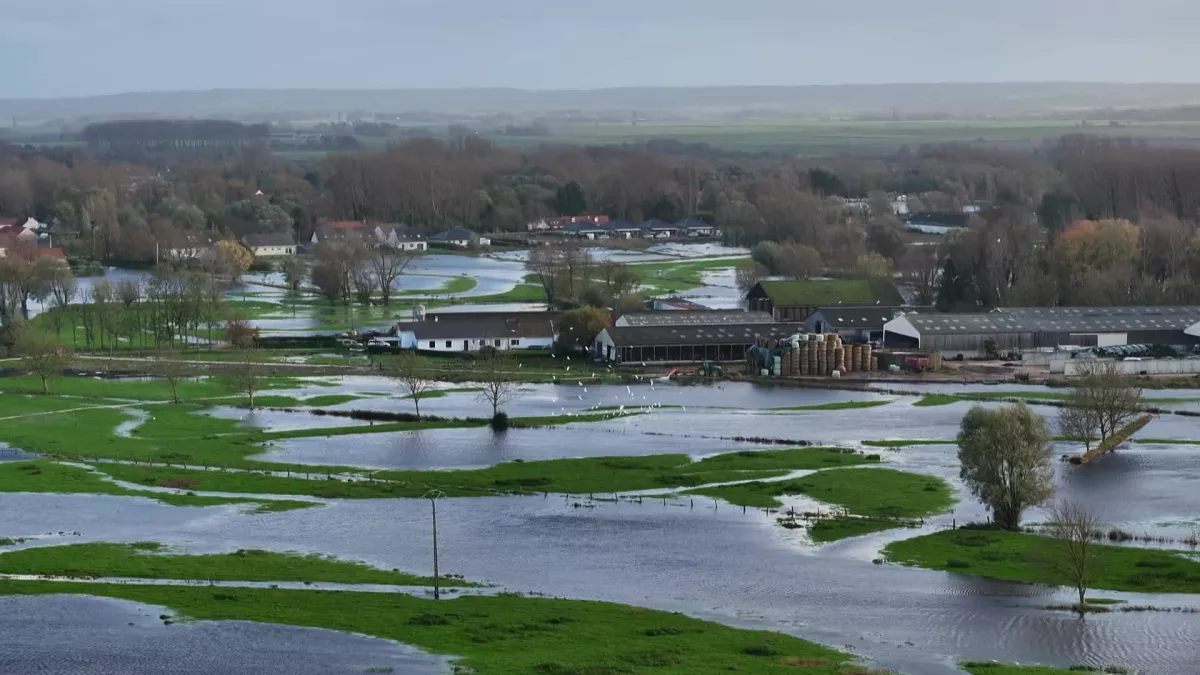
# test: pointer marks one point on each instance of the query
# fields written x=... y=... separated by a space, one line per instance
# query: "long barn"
x=1025 y=328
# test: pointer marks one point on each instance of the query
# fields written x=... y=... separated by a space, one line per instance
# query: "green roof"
x=822 y=292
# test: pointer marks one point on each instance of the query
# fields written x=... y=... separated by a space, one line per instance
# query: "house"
x=458 y=237
x=620 y=229
x=269 y=245
x=1020 y=329
x=658 y=229
x=852 y=323
x=587 y=230
x=694 y=227
x=936 y=223
x=472 y=331
x=399 y=237
x=30 y=224
x=561 y=223
x=797 y=299
x=19 y=233
x=186 y=247
x=684 y=344
x=708 y=317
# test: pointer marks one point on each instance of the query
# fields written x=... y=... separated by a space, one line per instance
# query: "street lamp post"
x=432 y=496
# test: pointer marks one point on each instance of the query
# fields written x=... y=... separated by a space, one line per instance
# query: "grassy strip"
x=322 y=401
x=904 y=443
x=839 y=405
x=1029 y=558
x=934 y=400
x=498 y=635
x=1166 y=441
x=879 y=493
x=992 y=668
x=46 y=476
x=151 y=560
x=931 y=400
x=574 y=476
x=832 y=529
x=139 y=389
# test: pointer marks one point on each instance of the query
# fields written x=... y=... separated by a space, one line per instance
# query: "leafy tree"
x=1058 y=210
x=42 y=354
x=874 y=266
x=955 y=291
x=570 y=200
x=1005 y=455
x=233 y=259
x=579 y=328
x=826 y=183
x=239 y=333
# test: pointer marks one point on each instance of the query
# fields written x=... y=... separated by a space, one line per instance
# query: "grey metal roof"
x=1130 y=311
x=696 y=318
x=1033 y=322
x=268 y=239
x=855 y=317
x=448 y=326
x=745 y=334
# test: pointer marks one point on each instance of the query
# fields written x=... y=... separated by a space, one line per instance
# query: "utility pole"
x=432 y=496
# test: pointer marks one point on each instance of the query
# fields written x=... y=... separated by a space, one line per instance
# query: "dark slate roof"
x=586 y=227
x=855 y=317
x=696 y=318
x=1006 y=322
x=692 y=223
x=1131 y=311
x=725 y=334
x=469 y=325
x=268 y=239
x=656 y=224
x=939 y=219
x=338 y=234
x=453 y=234
x=622 y=225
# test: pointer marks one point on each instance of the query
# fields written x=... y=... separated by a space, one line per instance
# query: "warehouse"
x=1026 y=328
x=684 y=344
x=701 y=317
x=854 y=324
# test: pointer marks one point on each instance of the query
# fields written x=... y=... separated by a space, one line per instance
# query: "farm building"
x=797 y=299
x=472 y=331
x=854 y=324
x=1018 y=329
x=269 y=244
x=684 y=344
x=706 y=317
x=458 y=237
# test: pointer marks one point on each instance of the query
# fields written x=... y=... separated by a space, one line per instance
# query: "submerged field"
x=677 y=499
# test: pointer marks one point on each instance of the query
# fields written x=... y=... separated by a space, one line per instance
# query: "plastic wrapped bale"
x=777 y=366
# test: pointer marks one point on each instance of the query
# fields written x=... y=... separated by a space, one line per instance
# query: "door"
x=466 y=345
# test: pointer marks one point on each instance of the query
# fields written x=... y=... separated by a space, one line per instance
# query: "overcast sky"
x=57 y=48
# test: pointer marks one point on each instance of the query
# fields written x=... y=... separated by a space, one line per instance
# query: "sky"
x=58 y=48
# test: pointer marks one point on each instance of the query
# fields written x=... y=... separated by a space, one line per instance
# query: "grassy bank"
x=839 y=405
x=499 y=635
x=878 y=493
x=833 y=529
x=990 y=668
x=46 y=476
x=151 y=560
x=1029 y=558
x=602 y=475
x=140 y=389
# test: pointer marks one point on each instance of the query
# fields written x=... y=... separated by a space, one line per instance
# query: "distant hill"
x=965 y=99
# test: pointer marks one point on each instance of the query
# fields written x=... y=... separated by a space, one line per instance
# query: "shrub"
x=500 y=421
x=761 y=649
x=431 y=619
x=659 y=632
x=954 y=564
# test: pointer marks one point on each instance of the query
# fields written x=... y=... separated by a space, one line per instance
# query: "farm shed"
x=797 y=299
x=684 y=344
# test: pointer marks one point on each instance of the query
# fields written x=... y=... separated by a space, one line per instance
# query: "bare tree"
x=498 y=389
x=748 y=274
x=545 y=264
x=1081 y=423
x=388 y=264
x=172 y=368
x=245 y=375
x=1111 y=398
x=1078 y=559
x=363 y=281
x=294 y=271
x=406 y=370
x=42 y=354
x=1005 y=455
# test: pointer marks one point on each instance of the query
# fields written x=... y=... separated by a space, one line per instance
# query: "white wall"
x=1072 y=367
x=268 y=251
x=409 y=340
x=602 y=344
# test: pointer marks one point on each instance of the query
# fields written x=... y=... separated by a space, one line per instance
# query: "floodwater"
x=700 y=557
x=100 y=636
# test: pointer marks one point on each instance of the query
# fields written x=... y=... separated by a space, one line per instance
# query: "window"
x=432 y=344
x=448 y=344
x=514 y=342
x=497 y=343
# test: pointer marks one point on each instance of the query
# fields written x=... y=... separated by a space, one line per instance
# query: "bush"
x=500 y=421
x=762 y=649
x=957 y=564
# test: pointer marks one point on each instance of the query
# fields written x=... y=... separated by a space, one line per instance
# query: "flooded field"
x=693 y=555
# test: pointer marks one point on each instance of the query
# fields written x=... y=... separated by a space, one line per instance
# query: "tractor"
x=710 y=369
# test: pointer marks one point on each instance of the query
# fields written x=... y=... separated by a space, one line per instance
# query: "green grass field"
x=1030 y=558
x=496 y=635
x=151 y=560
x=833 y=529
x=879 y=493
